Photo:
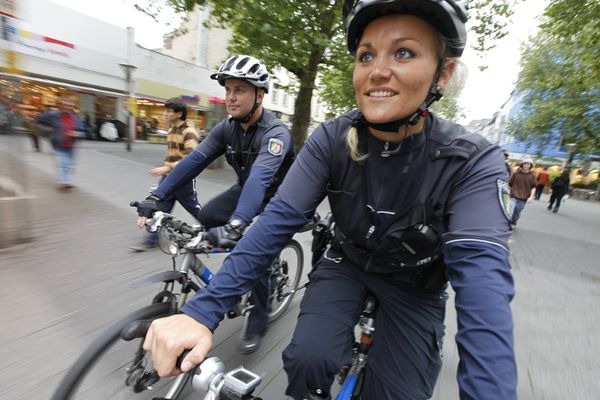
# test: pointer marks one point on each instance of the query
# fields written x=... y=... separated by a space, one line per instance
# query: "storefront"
x=150 y=106
x=38 y=95
x=56 y=59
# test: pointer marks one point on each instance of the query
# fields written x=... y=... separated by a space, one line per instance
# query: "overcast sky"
x=482 y=95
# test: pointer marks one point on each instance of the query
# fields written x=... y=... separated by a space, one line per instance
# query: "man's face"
x=526 y=166
x=172 y=116
x=239 y=97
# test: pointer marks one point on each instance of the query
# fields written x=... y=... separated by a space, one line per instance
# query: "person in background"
x=33 y=129
x=542 y=180
x=560 y=187
x=522 y=185
x=182 y=139
x=415 y=198
x=64 y=126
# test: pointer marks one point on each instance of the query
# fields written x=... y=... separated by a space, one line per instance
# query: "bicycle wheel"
x=286 y=277
x=102 y=370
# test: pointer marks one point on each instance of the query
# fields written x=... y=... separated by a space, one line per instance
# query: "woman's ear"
x=446 y=74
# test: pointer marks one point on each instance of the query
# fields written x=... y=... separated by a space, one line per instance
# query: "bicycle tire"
x=84 y=364
x=279 y=308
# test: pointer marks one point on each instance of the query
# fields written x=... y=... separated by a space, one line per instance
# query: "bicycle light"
x=173 y=249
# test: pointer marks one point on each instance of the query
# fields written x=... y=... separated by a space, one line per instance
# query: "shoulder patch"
x=275 y=147
x=504 y=198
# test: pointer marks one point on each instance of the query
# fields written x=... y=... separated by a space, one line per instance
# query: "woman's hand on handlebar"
x=168 y=337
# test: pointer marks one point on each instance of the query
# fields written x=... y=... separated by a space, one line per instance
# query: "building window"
x=285 y=99
x=274 y=96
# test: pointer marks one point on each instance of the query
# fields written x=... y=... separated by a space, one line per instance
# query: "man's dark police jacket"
x=474 y=235
x=261 y=156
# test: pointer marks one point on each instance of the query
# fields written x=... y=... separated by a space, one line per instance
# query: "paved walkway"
x=63 y=288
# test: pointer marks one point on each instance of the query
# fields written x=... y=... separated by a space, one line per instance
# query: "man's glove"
x=149 y=206
x=226 y=236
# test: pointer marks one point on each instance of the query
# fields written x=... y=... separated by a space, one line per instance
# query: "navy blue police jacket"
x=261 y=156
x=475 y=248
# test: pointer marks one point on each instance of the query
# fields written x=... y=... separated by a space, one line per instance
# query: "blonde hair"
x=352 y=143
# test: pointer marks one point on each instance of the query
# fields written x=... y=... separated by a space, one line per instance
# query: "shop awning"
x=159 y=91
x=69 y=85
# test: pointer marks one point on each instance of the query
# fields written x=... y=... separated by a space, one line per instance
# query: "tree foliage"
x=559 y=82
x=307 y=39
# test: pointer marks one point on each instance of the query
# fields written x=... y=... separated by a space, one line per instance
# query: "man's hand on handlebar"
x=147 y=208
x=168 y=337
x=226 y=236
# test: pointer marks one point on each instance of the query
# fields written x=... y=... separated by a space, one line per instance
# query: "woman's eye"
x=365 y=57
x=404 y=53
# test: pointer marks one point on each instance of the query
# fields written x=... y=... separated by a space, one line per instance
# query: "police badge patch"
x=504 y=198
x=275 y=147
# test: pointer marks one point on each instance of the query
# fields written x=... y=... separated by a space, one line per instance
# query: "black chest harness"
x=409 y=241
x=244 y=147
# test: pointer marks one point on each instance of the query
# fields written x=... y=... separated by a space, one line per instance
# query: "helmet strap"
x=423 y=110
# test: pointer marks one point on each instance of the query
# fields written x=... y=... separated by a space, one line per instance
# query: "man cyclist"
x=259 y=148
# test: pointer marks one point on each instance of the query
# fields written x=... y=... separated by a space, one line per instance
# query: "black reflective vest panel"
x=243 y=149
x=410 y=241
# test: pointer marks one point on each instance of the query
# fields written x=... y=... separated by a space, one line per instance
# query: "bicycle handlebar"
x=168 y=220
x=207 y=377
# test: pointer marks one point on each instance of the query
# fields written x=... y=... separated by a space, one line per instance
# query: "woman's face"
x=396 y=62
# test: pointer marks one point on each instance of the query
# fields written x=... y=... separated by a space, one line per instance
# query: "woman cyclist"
x=415 y=199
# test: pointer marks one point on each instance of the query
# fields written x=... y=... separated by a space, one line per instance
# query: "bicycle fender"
x=166 y=276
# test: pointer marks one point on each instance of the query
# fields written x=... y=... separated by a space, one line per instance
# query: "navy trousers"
x=405 y=359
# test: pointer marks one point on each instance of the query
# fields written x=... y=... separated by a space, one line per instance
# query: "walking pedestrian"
x=542 y=180
x=182 y=139
x=522 y=185
x=560 y=187
x=64 y=125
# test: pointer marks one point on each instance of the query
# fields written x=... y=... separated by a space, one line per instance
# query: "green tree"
x=559 y=82
x=306 y=38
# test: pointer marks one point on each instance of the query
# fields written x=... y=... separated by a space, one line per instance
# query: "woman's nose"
x=380 y=69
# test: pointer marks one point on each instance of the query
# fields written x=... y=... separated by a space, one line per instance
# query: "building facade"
x=49 y=50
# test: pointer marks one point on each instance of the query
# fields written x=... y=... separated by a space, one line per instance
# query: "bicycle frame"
x=352 y=385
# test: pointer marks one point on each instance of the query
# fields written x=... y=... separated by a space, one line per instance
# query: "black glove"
x=226 y=236
x=149 y=206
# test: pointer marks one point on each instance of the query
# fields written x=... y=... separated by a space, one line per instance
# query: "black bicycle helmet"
x=446 y=16
x=246 y=68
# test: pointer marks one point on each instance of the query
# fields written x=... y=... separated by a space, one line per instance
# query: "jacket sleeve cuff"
x=203 y=319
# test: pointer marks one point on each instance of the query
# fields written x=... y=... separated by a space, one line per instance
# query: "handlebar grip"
x=135 y=329
x=181 y=357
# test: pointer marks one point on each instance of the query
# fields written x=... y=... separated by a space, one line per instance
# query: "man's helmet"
x=246 y=68
x=448 y=17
